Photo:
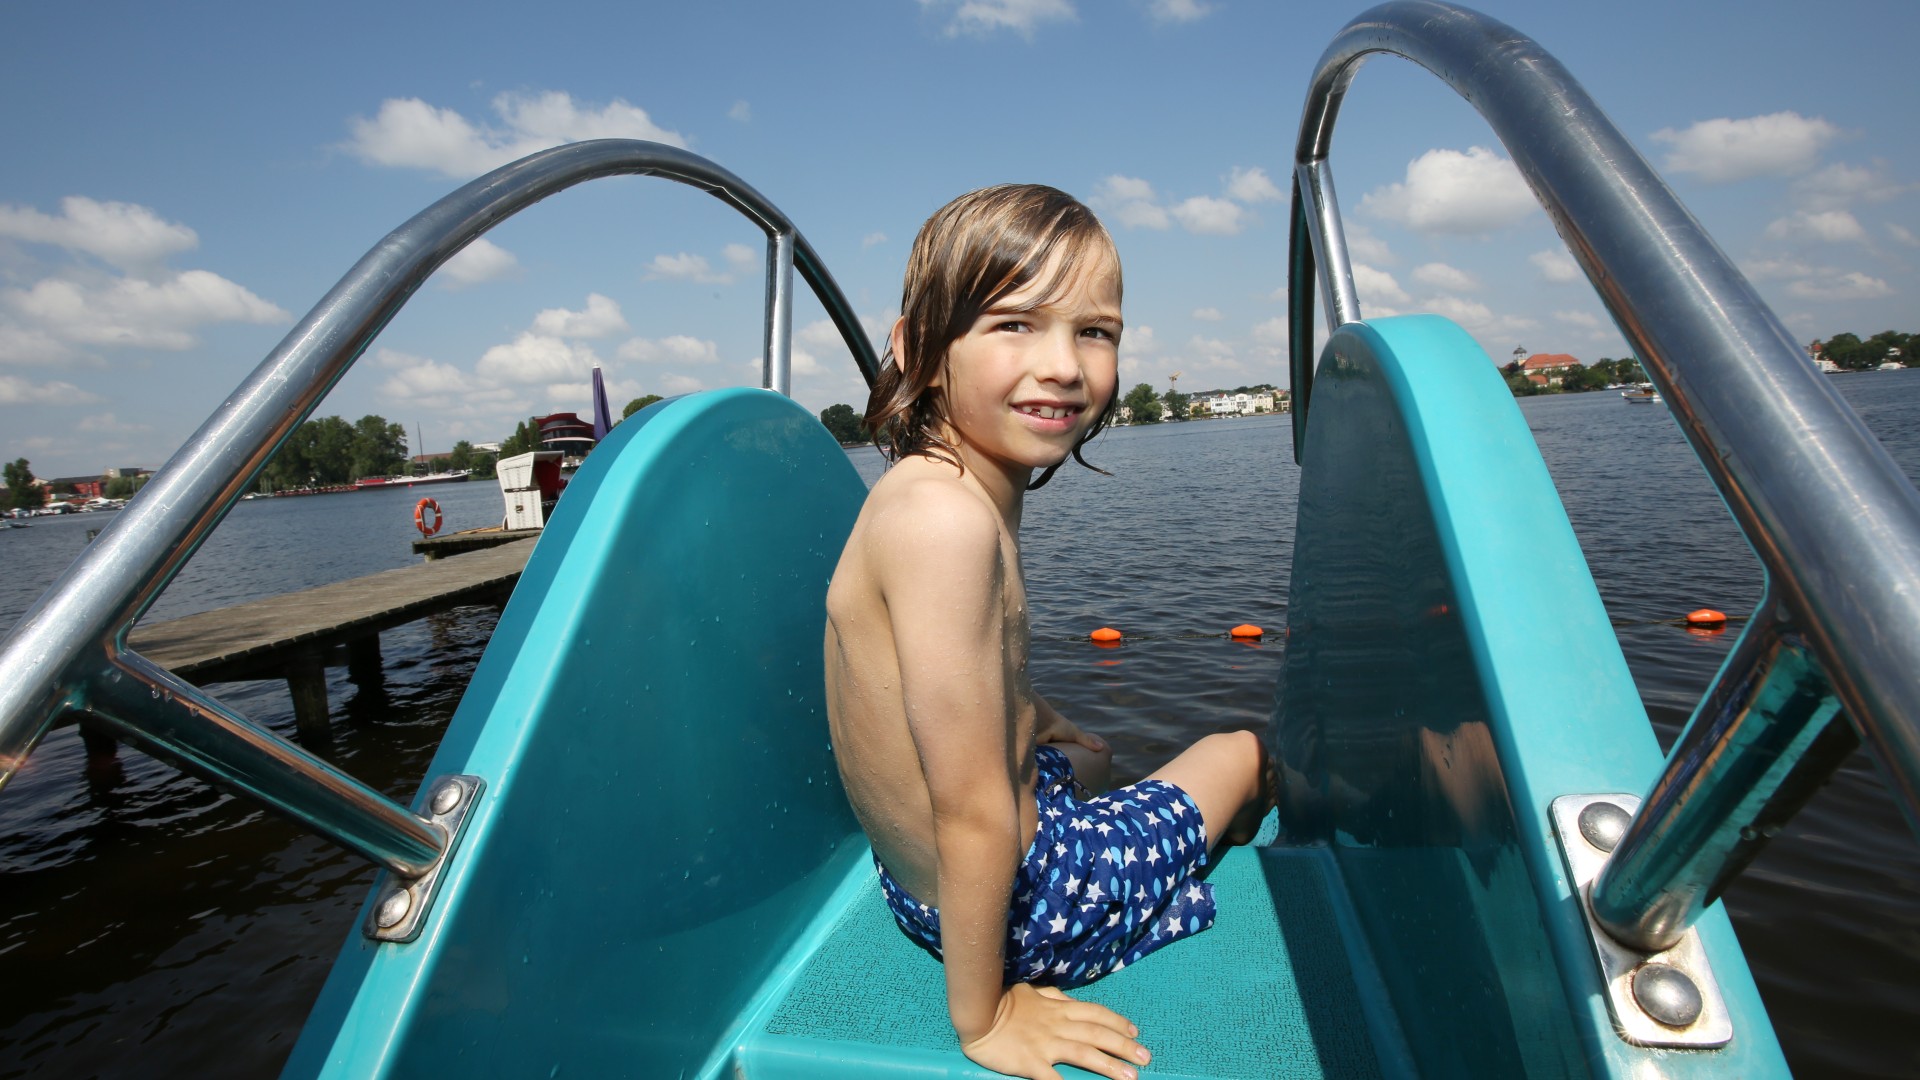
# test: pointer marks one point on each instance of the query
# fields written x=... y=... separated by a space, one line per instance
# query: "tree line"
x=1852 y=354
x=1598 y=375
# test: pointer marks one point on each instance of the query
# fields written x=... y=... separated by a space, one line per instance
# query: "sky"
x=181 y=182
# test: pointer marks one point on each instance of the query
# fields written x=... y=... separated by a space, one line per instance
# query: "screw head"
x=393 y=908
x=446 y=797
x=1667 y=994
x=1603 y=823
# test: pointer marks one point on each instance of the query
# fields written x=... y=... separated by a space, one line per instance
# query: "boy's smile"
x=1027 y=380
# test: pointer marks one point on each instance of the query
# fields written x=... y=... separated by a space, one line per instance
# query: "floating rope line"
x=1702 y=621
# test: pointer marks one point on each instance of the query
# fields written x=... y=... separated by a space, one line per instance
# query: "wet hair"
x=971 y=254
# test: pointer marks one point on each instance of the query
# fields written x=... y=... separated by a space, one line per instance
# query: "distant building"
x=91 y=487
x=564 y=431
x=1548 y=369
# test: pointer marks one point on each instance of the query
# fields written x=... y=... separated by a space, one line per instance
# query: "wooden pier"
x=439 y=547
x=295 y=636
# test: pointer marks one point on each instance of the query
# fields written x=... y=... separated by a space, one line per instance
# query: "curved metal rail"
x=69 y=653
x=1833 y=520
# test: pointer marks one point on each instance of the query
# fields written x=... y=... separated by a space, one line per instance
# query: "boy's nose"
x=1060 y=359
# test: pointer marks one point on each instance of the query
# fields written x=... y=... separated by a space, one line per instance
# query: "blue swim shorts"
x=1108 y=880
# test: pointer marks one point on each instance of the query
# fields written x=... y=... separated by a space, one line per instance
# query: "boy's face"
x=1022 y=387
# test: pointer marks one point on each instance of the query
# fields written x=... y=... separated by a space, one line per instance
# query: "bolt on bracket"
x=400 y=906
x=1665 y=999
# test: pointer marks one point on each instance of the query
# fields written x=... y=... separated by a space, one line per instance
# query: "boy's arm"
x=944 y=583
x=1051 y=727
x=944 y=580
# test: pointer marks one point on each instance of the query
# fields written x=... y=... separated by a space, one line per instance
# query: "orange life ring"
x=420 y=517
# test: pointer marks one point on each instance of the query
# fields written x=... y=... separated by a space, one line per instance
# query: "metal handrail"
x=1834 y=521
x=69 y=653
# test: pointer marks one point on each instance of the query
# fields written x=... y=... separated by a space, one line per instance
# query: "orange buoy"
x=1246 y=630
x=1106 y=633
x=420 y=511
x=1706 y=617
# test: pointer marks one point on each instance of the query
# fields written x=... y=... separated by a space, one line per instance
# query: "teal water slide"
x=632 y=856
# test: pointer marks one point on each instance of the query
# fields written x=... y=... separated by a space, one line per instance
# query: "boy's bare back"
x=930 y=701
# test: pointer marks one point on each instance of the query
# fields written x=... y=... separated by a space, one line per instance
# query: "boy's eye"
x=1011 y=324
x=1099 y=332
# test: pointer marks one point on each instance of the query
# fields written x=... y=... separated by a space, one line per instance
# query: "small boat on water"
x=1642 y=394
x=454 y=476
x=1481 y=864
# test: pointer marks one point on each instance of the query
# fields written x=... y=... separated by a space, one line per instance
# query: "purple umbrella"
x=601 y=422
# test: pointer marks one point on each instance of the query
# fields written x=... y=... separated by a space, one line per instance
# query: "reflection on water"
x=151 y=926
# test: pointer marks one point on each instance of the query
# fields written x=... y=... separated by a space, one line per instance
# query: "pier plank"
x=257 y=639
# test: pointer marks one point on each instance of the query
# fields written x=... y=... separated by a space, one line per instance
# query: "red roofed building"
x=1547 y=369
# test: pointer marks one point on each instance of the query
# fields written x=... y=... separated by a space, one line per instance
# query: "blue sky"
x=182 y=181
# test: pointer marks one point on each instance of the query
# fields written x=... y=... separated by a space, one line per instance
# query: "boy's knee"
x=1243 y=744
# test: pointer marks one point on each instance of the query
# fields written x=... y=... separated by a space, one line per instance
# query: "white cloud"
x=983 y=17
x=1179 y=10
x=1825 y=226
x=479 y=262
x=1903 y=234
x=1208 y=314
x=125 y=235
x=1272 y=332
x=1722 y=151
x=1377 y=286
x=1840 y=185
x=740 y=256
x=1130 y=201
x=680 y=384
x=109 y=424
x=1442 y=276
x=873 y=238
x=1446 y=191
x=1480 y=320
x=417 y=378
x=1775 y=269
x=685 y=267
x=1363 y=246
x=32 y=346
x=741 y=111
x=675 y=349
x=1557 y=267
x=1581 y=319
x=409 y=133
x=1852 y=285
x=1139 y=341
x=135 y=312
x=600 y=318
x=1208 y=216
x=15 y=390
x=537 y=358
x=1252 y=186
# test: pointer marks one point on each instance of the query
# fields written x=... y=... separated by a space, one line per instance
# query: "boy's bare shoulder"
x=932 y=518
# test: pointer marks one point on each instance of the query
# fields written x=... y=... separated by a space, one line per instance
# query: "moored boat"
x=453 y=476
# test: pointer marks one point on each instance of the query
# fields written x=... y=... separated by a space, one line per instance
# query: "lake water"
x=150 y=926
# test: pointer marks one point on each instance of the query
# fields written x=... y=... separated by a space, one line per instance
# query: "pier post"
x=363 y=662
x=100 y=746
x=307 y=682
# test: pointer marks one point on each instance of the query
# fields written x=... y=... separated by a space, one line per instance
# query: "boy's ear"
x=897 y=344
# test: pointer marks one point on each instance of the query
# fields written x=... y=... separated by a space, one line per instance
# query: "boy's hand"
x=1059 y=729
x=1036 y=1027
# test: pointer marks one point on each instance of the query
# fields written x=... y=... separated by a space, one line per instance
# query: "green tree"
x=1848 y=351
x=525 y=440
x=637 y=404
x=1176 y=402
x=1144 y=403
x=844 y=424
x=377 y=448
x=461 y=457
x=124 y=487
x=21 y=492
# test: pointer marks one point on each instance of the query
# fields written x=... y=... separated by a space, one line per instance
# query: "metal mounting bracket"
x=400 y=906
x=1666 y=999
